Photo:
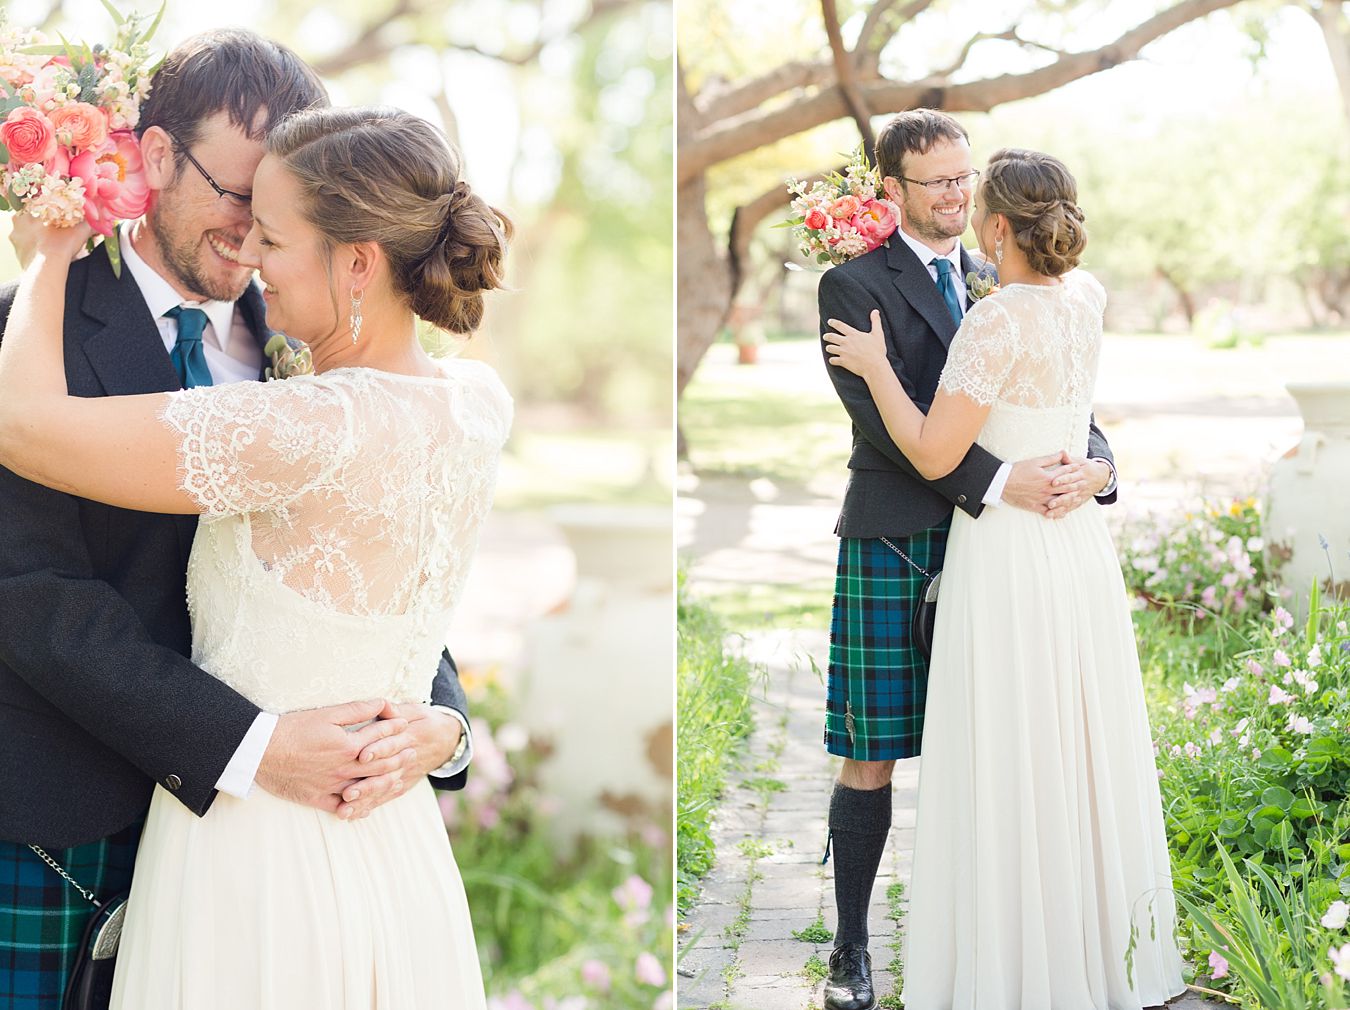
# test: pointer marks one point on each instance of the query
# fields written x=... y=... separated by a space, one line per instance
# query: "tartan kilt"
x=42 y=918
x=877 y=680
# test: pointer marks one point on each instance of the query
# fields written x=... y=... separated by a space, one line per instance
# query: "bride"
x=340 y=512
x=1041 y=878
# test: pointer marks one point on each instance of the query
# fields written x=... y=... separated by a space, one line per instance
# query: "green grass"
x=815 y=969
x=814 y=933
x=713 y=689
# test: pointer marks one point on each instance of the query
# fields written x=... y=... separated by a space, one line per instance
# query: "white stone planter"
x=1309 y=502
x=601 y=674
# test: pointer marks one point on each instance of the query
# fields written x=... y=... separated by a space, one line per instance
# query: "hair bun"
x=1038 y=195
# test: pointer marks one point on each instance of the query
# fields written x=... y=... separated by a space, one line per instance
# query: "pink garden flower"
x=1278 y=696
x=80 y=125
x=1280 y=658
x=844 y=208
x=1340 y=960
x=634 y=896
x=648 y=970
x=1218 y=965
x=816 y=218
x=1298 y=724
x=596 y=974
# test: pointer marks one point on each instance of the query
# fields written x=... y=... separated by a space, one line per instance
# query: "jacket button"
x=173 y=782
x=960 y=499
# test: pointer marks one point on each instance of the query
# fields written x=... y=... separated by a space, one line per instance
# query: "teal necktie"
x=188 y=355
x=946 y=288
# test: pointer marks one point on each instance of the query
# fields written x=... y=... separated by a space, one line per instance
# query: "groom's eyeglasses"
x=966 y=182
x=237 y=199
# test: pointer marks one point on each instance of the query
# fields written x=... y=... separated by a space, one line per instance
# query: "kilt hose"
x=877 y=679
x=42 y=917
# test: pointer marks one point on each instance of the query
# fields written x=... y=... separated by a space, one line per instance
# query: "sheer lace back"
x=1032 y=353
x=340 y=515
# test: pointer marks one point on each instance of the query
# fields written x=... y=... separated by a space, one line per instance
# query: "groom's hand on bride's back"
x=1033 y=483
x=315 y=755
x=429 y=741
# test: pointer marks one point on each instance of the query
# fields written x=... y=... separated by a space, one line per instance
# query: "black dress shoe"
x=850 y=984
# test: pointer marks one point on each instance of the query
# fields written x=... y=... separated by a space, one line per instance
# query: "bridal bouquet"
x=67 y=150
x=843 y=215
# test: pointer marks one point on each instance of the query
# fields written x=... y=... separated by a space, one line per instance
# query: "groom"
x=877 y=678
x=98 y=700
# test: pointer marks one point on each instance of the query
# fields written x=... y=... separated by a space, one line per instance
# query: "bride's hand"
x=861 y=352
x=31 y=237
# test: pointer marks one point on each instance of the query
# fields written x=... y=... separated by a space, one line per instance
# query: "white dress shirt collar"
x=160 y=296
x=927 y=255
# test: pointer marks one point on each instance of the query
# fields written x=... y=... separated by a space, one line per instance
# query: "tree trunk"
x=1184 y=296
x=1332 y=18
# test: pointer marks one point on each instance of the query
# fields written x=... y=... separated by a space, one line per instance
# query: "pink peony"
x=80 y=125
x=845 y=207
x=28 y=136
x=875 y=222
x=816 y=218
x=114 y=183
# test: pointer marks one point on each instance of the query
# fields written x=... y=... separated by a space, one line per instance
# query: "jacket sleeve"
x=80 y=644
x=1099 y=449
x=446 y=690
x=841 y=297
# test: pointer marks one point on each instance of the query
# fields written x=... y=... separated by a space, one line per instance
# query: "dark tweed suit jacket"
x=98 y=700
x=885 y=494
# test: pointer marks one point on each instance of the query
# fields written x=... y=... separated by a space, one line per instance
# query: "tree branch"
x=866 y=42
x=848 y=84
x=737 y=135
x=750 y=216
x=722 y=101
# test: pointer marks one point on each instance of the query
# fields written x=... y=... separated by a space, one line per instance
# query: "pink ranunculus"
x=28 y=136
x=816 y=218
x=875 y=221
x=114 y=182
x=845 y=207
x=80 y=125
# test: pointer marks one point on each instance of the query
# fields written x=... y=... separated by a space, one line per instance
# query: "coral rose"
x=816 y=218
x=845 y=207
x=114 y=182
x=28 y=136
x=80 y=125
x=875 y=222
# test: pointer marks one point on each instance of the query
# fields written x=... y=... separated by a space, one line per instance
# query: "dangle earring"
x=355 y=317
x=998 y=249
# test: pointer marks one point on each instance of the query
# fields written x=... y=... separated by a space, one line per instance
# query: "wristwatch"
x=1111 y=481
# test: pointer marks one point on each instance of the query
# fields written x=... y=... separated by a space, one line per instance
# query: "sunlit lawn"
x=551 y=464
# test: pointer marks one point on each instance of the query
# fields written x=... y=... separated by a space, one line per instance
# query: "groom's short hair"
x=914 y=132
x=230 y=70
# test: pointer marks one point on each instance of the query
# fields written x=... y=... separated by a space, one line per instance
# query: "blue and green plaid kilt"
x=878 y=680
x=42 y=917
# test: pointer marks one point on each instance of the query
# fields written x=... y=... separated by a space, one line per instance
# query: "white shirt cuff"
x=237 y=778
x=456 y=765
x=994 y=496
x=1110 y=484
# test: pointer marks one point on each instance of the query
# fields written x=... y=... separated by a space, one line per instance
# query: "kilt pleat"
x=877 y=679
x=42 y=918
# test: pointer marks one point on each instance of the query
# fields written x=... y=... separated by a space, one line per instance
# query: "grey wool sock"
x=860 y=823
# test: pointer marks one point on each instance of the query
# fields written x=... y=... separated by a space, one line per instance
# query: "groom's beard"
x=927 y=226
x=182 y=253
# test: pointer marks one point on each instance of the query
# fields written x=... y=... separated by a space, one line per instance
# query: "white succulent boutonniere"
x=980 y=283
x=289 y=357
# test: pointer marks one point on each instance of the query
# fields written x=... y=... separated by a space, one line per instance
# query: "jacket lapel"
x=916 y=286
x=122 y=341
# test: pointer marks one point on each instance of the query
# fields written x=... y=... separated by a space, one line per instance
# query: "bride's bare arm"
x=111 y=449
x=935 y=443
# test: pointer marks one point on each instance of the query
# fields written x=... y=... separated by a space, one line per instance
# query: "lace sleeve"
x=982 y=353
x=255 y=446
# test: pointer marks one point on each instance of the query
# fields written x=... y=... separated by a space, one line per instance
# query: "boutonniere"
x=980 y=284
x=289 y=357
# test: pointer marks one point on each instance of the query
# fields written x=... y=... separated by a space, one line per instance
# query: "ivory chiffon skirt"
x=270 y=905
x=1039 y=849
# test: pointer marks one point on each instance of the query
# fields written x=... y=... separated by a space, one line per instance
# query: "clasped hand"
x=336 y=759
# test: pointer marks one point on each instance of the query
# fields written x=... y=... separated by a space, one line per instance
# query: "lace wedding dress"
x=340 y=515
x=1041 y=878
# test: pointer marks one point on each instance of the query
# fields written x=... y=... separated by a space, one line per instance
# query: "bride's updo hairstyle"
x=1039 y=197
x=383 y=175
